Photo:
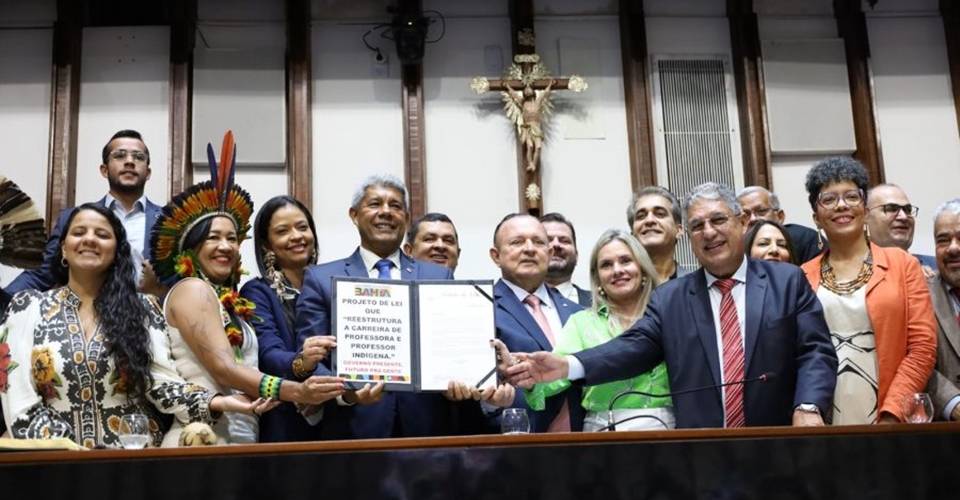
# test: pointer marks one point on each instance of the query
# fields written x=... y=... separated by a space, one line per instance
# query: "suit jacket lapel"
x=880 y=266
x=699 y=305
x=945 y=315
x=409 y=268
x=562 y=305
x=508 y=300
x=151 y=211
x=355 y=267
x=756 y=293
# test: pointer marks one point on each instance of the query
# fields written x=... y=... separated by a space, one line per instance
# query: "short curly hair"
x=833 y=170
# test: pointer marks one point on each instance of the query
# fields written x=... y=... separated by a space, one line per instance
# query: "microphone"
x=763 y=377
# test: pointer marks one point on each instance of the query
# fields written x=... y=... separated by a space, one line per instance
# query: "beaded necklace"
x=829 y=279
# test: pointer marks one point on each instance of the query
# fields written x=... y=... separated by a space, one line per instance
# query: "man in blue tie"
x=733 y=320
x=379 y=211
x=126 y=167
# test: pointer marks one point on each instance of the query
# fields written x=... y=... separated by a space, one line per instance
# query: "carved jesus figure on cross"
x=526 y=88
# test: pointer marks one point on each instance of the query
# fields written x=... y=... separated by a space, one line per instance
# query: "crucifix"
x=526 y=88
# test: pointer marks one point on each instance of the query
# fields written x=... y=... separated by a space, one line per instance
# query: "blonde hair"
x=642 y=259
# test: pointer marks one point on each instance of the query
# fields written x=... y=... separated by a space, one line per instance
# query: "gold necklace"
x=829 y=279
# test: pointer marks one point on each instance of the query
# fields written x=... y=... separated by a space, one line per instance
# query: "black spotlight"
x=409 y=30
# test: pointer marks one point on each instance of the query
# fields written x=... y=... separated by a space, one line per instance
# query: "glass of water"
x=514 y=421
x=918 y=408
x=134 y=431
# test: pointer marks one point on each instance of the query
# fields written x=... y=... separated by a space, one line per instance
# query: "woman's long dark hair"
x=120 y=312
x=261 y=227
x=752 y=235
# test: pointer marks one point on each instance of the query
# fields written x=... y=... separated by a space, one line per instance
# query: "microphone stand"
x=764 y=377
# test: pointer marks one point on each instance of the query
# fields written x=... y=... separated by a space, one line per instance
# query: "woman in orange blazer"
x=875 y=301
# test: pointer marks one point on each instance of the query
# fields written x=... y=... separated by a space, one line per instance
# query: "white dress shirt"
x=546 y=305
x=135 y=224
x=370 y=260
x=569 y=291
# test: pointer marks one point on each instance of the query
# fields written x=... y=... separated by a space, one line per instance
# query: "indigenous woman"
x=622 y=277
x=196 y=243
x=77 y=358
x=875 y=301
x=285 y=244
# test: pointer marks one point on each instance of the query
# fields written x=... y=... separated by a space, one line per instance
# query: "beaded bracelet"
x=270 y=387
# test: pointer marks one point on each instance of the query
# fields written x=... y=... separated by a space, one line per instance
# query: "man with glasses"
x=126 y=166
x=750 y=332
x=891 y=220
x=760 y=204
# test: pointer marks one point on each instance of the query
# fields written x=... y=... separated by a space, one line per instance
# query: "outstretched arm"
x=195 y=311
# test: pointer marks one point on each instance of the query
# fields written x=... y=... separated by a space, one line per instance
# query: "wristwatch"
x=299 y=370
x=808 y=408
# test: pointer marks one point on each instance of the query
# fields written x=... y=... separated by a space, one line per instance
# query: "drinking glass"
x=918 y=408
x=134 y=431
x=514 y=421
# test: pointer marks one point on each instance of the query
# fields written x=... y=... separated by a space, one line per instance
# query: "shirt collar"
x=540 y=292
x=370 y=259
x=565 y=287
x=740 y=276
x=140 y=204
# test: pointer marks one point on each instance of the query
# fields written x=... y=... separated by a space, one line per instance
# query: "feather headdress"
x=217 y=197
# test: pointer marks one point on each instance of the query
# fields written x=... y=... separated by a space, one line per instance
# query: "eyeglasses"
x=851 y=198
x=696 y=226
x=121 y=154
x=892 y=209
x=758 y=212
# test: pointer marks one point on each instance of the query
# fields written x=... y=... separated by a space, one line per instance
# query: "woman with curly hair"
x=93 y=350
x=875 y=301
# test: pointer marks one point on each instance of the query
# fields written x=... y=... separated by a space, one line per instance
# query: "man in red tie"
x=750 y=333
x=530 y=315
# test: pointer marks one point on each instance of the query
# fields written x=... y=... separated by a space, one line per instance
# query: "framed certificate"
x=413 y=335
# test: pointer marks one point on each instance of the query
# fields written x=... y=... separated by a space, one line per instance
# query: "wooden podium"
x=896 y=461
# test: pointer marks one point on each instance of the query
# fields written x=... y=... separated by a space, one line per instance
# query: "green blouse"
x=587 y=329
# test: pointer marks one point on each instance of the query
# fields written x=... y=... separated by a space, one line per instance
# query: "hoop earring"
x=63 y=262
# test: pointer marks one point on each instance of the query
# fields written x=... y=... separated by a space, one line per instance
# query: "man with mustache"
x=944 y=384
x=761 y=204
x=654 y=219
x=735 y=319
x=126 y=166
x=891 y=221
x=433 y=238
x=563 y=258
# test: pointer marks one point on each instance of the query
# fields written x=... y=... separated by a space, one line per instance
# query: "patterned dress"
x=59 y=384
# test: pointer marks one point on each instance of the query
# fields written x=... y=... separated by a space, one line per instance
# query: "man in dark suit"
x=944 y=384
x=379 y=211
x=563 y=258
x=126 y=166
x=734 y=319
x=758 y=204
x=433 y=238
x=529 y=315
